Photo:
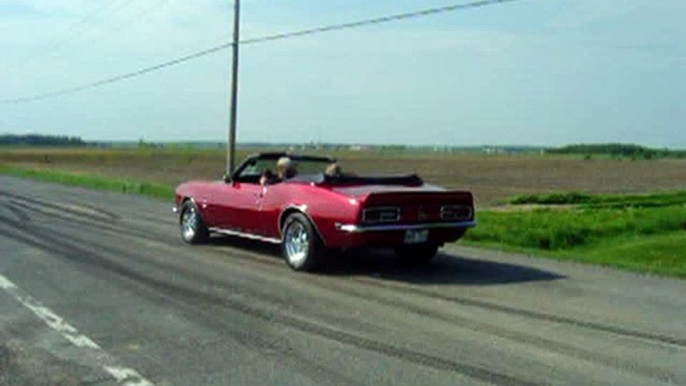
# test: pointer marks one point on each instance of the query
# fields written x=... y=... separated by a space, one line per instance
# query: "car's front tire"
x=191 y=225
x=417 y=254
x=301 y=247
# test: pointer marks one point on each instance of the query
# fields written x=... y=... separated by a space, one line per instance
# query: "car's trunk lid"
x=425 y=206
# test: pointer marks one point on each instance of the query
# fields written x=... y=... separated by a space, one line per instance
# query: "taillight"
x=381 y=215
x=456 y=212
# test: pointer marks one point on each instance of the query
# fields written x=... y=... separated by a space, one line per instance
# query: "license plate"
x=416 y=236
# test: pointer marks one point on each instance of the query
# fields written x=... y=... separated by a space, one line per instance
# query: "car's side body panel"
x=240 y=205
x=225 y=205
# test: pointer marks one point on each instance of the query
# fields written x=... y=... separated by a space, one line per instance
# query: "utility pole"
x=231 y=146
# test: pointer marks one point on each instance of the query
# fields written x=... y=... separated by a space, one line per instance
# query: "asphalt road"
x=98 y=289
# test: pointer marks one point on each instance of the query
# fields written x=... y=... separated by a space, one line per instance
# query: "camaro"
x=311 y=207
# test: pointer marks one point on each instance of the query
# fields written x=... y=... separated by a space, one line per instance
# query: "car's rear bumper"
x=352 y=228
x=393 y=235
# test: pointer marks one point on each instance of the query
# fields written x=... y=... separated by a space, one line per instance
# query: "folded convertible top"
x=404 y=180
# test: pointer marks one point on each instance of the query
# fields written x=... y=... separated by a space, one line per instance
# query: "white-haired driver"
x=285 y=168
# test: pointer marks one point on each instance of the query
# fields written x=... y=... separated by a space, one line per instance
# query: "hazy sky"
x=541 y=72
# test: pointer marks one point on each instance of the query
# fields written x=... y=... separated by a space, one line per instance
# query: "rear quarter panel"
x=323 y=206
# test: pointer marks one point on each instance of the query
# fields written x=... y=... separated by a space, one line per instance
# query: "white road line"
x=122 y=375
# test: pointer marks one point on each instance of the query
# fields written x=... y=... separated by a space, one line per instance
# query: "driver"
x=285 y=168
x=267 y=178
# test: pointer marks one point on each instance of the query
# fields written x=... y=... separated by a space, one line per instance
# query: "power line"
x=268 y=38
x=378 y=20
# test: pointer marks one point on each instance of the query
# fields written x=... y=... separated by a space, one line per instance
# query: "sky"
x=529 y=72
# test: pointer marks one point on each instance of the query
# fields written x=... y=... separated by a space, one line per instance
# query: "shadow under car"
x=382 y=264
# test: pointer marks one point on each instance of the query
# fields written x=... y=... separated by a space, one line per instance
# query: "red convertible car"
x=309 y=207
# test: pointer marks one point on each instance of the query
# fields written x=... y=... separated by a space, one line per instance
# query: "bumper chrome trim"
x=352 y=228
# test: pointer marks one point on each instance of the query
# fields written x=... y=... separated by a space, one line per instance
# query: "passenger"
x=285 y=168
x=333 y=170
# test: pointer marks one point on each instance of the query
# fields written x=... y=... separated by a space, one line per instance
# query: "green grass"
x=657 y=254
x=552 y=230
x=603 y=200
x=550 y=199
x=153 y=190
x=647 y=239
x=660 y=254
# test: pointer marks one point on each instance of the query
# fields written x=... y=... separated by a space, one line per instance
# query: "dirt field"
x=491 y=178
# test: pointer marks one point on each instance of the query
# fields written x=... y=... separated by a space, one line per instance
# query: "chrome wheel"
x=189 y=223
x=301 y=245
x=297 y=244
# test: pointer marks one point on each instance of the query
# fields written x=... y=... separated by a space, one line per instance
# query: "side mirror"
x=226 y=177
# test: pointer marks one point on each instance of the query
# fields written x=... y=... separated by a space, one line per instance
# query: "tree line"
x=619 y=150
x=40 y=140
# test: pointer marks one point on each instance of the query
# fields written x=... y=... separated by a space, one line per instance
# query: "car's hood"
x=359 y=191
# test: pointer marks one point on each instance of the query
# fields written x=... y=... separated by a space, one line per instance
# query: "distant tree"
x=616 y=150
x=146 y=145
x=40 y=140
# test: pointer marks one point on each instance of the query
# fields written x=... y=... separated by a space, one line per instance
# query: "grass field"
x=492 y=179
x=149 y=189
x=620 y=213
x=648 y=238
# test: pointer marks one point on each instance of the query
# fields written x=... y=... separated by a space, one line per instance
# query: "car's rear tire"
x=417 y=254
x=301 y=246
x=191 y=225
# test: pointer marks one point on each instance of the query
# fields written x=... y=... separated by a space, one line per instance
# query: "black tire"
x=417 y=254
x=191 y=225
x=301 y=246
